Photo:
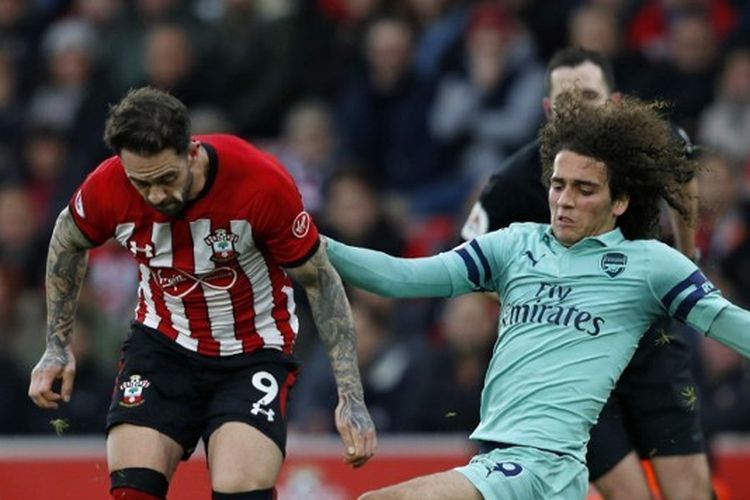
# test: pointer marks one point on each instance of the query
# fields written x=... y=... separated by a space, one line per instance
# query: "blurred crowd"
x=390 y=115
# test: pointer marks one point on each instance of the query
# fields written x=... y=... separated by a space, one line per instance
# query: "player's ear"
x=615 y=97
x=547 y=105
x=620 y=205
x=193 y=148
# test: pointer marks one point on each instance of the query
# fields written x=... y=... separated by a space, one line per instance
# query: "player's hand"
x=356 y=429
x=54 y=364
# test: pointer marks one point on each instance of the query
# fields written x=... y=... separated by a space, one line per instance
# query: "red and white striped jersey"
x=210 y=279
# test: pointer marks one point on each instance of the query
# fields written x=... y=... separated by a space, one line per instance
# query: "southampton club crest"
x=614 y=263
x=132 y=391
x=222 y=243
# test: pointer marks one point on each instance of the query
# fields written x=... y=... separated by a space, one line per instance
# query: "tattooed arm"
x=333 y=318
x=66 y=266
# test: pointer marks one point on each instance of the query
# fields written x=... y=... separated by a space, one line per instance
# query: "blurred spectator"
x=210 y=120
x=11 y=116
x=686 y=77
x=171 y=63
x=45 y=153
x=260 y=46
x=546 y=21
x=69 y=52
x=20 y=32
x=392 y=373
x=719 y=229
x=307 y=149
x=451 y=397
x=126 y=40
x=724 y=384
x=725 y=124
x=440 y=25
x=649 y=26
x=492 y=107
x=353 y=213
x=21 y=246
x=383 y=111
x=74 y=94
x=12 y=379
x=596 y=27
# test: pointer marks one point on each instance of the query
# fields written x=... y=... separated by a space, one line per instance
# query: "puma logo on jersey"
x=530 y=255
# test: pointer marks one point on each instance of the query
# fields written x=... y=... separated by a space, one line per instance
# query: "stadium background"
x=390 y=115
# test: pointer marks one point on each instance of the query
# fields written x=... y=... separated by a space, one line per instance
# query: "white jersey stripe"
x=152 y=319
x=161 y=236
x=123 y=232
x=218 y=301
x=256 y=269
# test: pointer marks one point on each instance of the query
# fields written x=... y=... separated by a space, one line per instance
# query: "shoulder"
x=244 y=165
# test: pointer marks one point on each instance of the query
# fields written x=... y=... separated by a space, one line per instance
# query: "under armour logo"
x=269 y=413
x=530 y=255
x=148 y=249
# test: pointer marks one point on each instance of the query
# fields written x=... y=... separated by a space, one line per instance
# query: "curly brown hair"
x=635 y=142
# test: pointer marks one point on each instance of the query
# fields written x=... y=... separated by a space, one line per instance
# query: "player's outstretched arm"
x=389 y=276
x=732 y=328
x=333 y=318
x=66 y=266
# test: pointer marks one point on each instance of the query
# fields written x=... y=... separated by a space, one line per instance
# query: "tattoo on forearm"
x=333 y=318
x=66 y=267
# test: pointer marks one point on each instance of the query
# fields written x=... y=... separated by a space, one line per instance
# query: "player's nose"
x=156 y=195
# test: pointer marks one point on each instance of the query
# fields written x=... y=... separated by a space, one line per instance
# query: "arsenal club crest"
x=132 y=391
x=614 y=263
x=222 y=243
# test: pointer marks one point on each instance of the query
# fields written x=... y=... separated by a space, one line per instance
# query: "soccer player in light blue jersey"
x=576 y=294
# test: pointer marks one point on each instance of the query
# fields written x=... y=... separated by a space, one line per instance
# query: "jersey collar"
x=608 y=239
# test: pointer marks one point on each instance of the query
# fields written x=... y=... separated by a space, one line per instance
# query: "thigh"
x=241 y=458
x=449 y=485
x=135 y=446
x=610 y=441
x=624 y=481
x=524 y=473
x=255 y=395
x=155 y=388
x=683 y=476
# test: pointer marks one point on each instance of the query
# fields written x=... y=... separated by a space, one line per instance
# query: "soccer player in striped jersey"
x=217 y=228
x=577 y=295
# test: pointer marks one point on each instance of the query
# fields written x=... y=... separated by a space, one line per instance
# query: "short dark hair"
x=635 y=143
x=148 y=121
x=571 y=57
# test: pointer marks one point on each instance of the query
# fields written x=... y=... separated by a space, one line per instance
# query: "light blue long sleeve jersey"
x=571 y=319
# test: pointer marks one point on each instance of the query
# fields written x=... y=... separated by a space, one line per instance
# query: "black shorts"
x=654 y=408
x=187 y=396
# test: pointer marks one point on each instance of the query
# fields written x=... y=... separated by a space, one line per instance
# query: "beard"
x=175 y=206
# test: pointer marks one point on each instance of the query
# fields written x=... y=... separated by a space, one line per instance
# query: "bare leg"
x=241 y=458
x=450 y=485
x=626 y=481
x=135 y=446
x=683 y=477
